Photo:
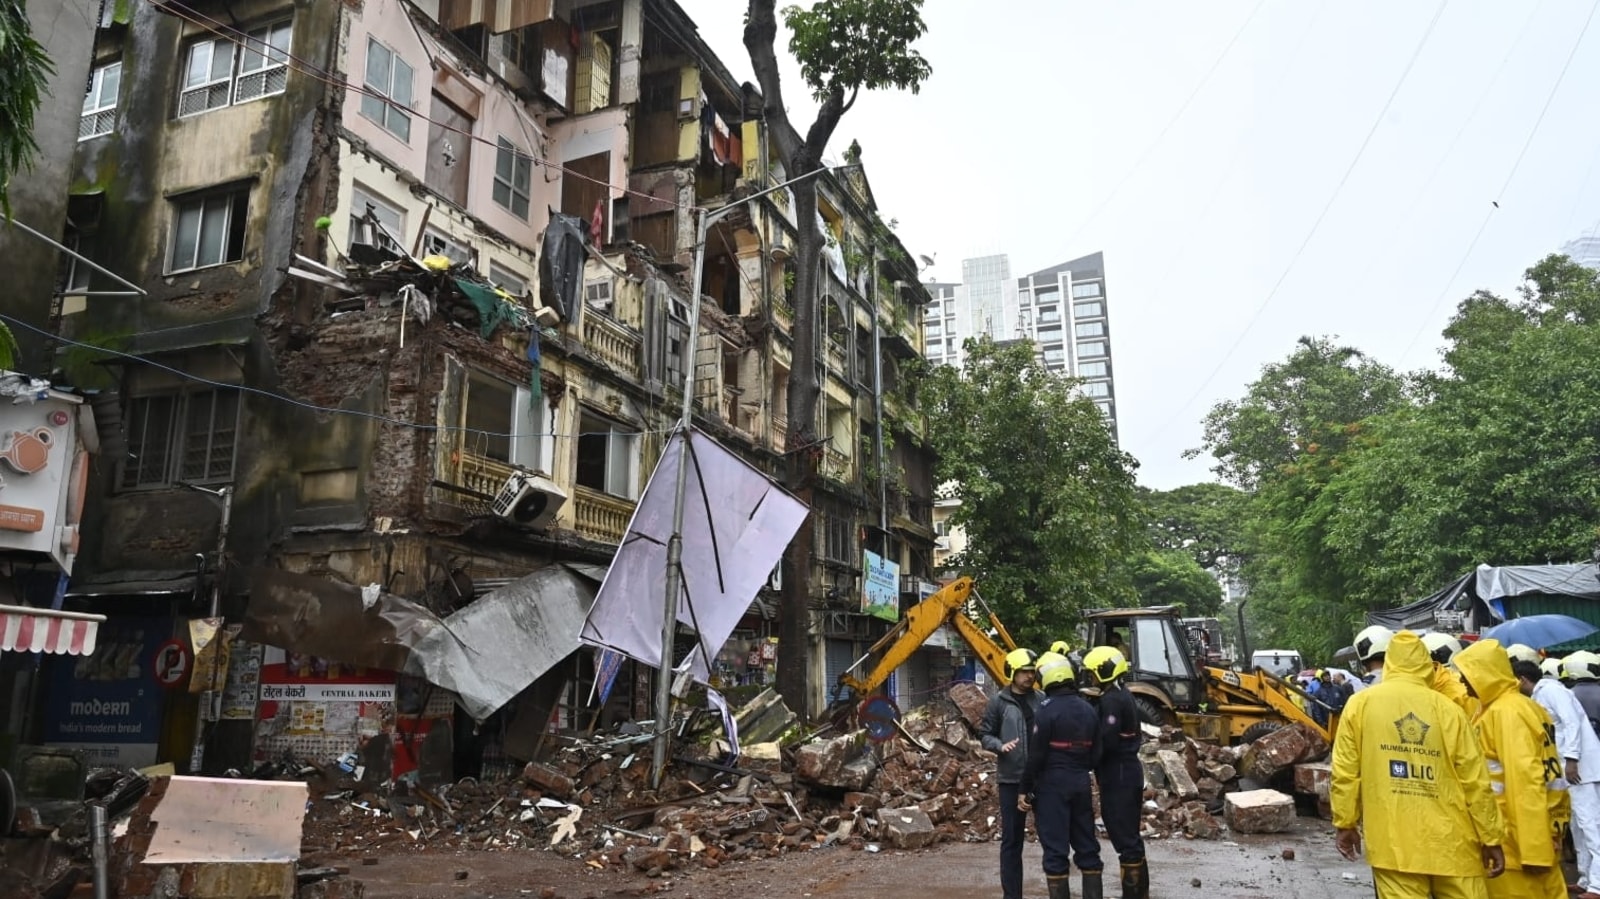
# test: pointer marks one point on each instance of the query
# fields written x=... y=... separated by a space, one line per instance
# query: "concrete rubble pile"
x=931 y=782
x=1190 y=785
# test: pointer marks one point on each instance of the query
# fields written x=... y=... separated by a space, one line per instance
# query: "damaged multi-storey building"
x=416 y=325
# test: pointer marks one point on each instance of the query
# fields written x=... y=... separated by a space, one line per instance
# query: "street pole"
x=669 y=611
x=208 y=698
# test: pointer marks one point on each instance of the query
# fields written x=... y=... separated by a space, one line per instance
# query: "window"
x=1097 y=388
x=520 y=47
x=219 y=72
x=513 y=172
x=1105 y=407
x=1090 y=329
x=608 y=457
x=1088 y=310
x=100 y=104
x=392 y=220
x=438 y=243
x=1049 y=314
x=507 y=280
x=1048 y=296
x=598 y=294
x=1092 y=370
x=1158 y=651
x=935 y=329
x=1024 y=297
x=505 y=422
x=1050 y=335
x=180 y=437
x=837 y=537
x=389 y=77
x=208 y=229
x=79 y=274
x=263 y=64
x=1055 y=354
x=1086 y=290
x=1091 y=349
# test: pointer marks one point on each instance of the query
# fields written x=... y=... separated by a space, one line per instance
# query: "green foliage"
x=1171 y=577
x=1206 y=521
x=1047 y=500
x=24 y=69
x=846 y=45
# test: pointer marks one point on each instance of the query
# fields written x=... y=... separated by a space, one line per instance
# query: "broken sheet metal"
x=497 y=646
x=486 y=653
x=736 y=524
x=561 y=263
x=207 y=819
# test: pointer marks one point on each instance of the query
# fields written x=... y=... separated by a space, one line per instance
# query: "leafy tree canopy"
x=24 y=68
x=1203 y=520
x=1173 y=578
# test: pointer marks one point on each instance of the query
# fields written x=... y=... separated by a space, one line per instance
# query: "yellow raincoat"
x=1446 y=682
x=1518 y=743
x=1407 y=770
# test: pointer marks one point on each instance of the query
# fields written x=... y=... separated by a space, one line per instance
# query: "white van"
x=1282 y=662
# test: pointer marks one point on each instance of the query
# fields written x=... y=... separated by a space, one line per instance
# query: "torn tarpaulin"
x=486 y=653
x=561 y=263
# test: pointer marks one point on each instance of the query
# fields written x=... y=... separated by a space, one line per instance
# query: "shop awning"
x=26 y=629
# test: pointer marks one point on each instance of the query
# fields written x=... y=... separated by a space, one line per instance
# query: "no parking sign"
x=172 y=663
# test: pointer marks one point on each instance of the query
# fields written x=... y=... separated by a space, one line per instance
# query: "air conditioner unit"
x=775 y=579
x=529 y=500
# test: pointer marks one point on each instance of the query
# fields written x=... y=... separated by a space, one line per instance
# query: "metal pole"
x=98 y=851
x=669 y=611
x=226 y=495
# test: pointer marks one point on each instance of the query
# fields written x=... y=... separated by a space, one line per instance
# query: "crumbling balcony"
x=615 y=344
x=600 y=516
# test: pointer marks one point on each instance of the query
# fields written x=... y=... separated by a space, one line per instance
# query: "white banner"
x=736 y=523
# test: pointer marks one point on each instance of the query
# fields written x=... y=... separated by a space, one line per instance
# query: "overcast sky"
x=1198 y=144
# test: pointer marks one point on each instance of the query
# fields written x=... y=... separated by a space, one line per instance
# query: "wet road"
x=1243 y=867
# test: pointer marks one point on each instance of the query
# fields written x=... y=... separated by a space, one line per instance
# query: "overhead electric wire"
x=1166 y=129
x=1315 y=225
x=1510 y=176
x=313 y=407
x=240 y=38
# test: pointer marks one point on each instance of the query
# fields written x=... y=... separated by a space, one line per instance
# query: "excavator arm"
x=919 y=623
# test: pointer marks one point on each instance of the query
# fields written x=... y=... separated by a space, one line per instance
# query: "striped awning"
x=25 y=629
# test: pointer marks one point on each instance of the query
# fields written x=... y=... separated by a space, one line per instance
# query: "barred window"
x=180 y=437
x=220 y=72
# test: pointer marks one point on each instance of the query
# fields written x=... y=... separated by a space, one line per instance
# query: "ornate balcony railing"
x=615 y=344
x=600 y=516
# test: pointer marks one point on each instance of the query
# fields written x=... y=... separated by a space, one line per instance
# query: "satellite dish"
x=927 y=261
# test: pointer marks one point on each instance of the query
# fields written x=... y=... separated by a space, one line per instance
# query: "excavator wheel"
x=1258 y=730
x=1151 y=712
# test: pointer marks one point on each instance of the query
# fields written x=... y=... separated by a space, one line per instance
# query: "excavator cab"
x=1162 y=674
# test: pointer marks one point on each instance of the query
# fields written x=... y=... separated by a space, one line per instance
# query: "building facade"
x=400 y=256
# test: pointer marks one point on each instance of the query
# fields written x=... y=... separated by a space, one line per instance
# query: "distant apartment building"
x=1062 y=309
x=1585 y=248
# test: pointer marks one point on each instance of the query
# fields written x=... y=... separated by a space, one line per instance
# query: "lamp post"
x=669 y=616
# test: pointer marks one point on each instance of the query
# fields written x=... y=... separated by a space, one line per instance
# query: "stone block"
x=867 y=802
x=1218 y=771
x=971 y=700
x=1209 y=789
x=548 y=780
x=823 y=763
x=1274 y=752
x=1176 y=769
x=907 y=828
x=761 y=752
x=336 y=888
x=1316 y=745
x=1154 y=776
x=1313 y=778
x=1259 y=811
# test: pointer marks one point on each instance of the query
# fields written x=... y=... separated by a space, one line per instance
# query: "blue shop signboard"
x=108 y=705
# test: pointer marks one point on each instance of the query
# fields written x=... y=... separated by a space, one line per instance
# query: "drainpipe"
x=99 y=851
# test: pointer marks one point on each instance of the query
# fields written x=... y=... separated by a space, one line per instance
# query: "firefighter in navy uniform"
x=1061 y=756
x=1120 y=774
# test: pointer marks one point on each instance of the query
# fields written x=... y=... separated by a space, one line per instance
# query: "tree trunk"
x=804 y=453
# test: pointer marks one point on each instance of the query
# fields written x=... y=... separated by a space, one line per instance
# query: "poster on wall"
x=244 y=683
x=316 y=709
x=108 y=705
x=880 y=588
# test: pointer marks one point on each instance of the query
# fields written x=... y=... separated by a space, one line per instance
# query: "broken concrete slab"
x=1274 y=752
x=1176 y=768
x=764 y=718
x=907 y=828
x=1259 y=811
x=822 y=762
x=548 y=780
x=971 y=700
x=223 y=820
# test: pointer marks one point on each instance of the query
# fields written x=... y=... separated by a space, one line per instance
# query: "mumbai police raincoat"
x=1446 y=682
x=1408 y=771
x=1519 y=745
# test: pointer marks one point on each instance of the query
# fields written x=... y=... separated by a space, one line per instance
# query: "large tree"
x=843 y=47
x=1047 y=499
x=1206 y=521
x=1169 y=577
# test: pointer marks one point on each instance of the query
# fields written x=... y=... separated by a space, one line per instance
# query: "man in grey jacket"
x=1007 y=724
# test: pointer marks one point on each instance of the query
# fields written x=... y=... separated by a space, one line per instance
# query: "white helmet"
x=1581 y=665
x=1521 y=653
x=1373 y=641
x=1442 y=647
x=1551 y=668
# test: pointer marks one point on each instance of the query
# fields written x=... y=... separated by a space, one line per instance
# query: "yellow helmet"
x=1105 y=663
x=1054 y=668
x=1020 y=659
x=1061 y=648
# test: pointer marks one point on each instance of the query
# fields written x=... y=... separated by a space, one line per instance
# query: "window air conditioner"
x=529 y=500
